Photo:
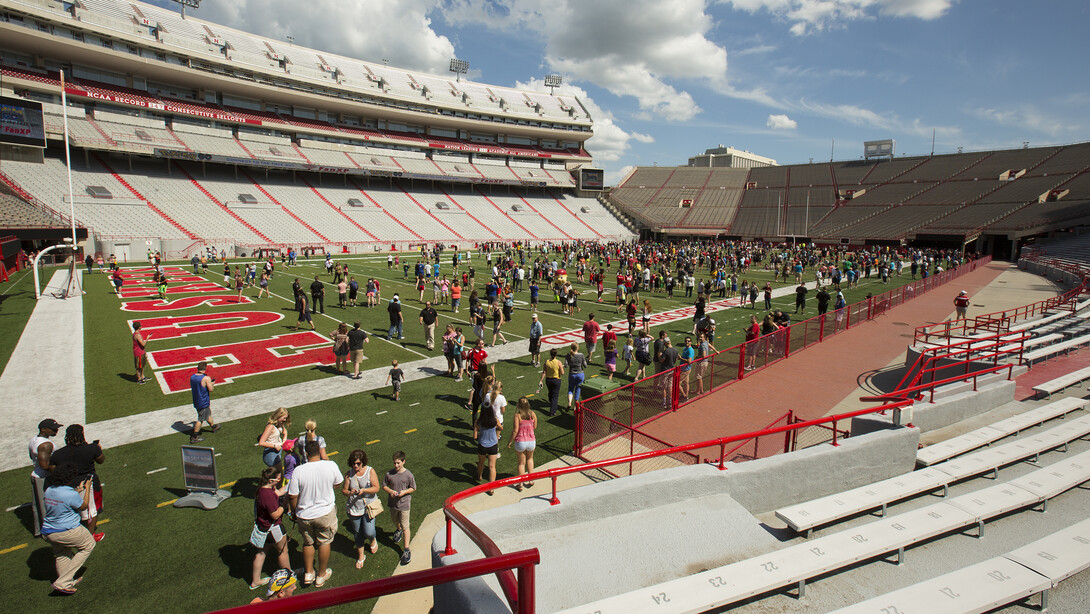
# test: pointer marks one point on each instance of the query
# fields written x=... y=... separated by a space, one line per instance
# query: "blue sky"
x=666 y=79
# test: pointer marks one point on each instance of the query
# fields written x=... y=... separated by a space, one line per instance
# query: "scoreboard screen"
x=593 y=179
x=21 y=122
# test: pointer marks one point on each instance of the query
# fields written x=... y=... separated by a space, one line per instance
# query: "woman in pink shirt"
x=524 y=439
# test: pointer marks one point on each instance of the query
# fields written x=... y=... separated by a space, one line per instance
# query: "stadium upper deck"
x=136 y=56
x=1011 y=193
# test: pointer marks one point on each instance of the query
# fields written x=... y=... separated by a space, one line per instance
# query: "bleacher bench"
x=1064 y=346
x=956 y=446
x=1034 y=568
x=1064 y=381
x=796 y=564
x=805 y=517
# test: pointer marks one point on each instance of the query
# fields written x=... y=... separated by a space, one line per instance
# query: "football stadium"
x=244 y=339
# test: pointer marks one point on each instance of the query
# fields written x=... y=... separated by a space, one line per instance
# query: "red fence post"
x=742 y=360
x=527 y=596
x=675 y=389
x=821 y=328
x=787 y=341
x=578 y=451
x=787 y=434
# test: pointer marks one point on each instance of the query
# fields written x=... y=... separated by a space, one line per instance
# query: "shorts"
x=397 y=387
x=357 y=356
x=535 y=345
x=93 y=507
x=270 y=457
x=400 y=517
x=204 y=414
x=591 y=346
x=611 y=367
x=489 y=451
x=318 y=531
x=525 y=446
x=643 y=358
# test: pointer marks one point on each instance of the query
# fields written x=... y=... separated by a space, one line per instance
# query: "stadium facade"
x=187 y=132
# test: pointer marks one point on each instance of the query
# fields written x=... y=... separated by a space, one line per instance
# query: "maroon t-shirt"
x=265 y=503
x=590 y=331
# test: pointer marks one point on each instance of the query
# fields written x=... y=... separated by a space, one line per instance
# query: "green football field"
x=185 y=560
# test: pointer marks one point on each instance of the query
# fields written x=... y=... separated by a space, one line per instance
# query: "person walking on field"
x=201 y=386
x=428 y=318
x=524 y=439
x=317 y=295
x=961 y=304
x=139 y=351
x=314 y=508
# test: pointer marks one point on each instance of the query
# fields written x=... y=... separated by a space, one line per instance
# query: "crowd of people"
x=299 y=484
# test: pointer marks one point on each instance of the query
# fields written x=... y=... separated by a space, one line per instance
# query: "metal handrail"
x=523 y=560
x=489 y=548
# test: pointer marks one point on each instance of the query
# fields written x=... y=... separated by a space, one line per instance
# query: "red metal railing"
x=964 y=352
x=524 y=561
x=998 y=321
x=489 y=548
x=788 y=442
x=643 y=401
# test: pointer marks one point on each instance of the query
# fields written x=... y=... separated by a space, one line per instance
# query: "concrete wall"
x=953 y=403
x=1068 y=279
x=623 y=534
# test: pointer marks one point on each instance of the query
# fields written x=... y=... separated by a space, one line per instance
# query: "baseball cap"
x=964 y=292
x=281 y=579
x=533 y=315
x=49 y=423
x=288 y=445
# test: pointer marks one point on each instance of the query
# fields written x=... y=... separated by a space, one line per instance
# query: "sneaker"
x=406 y=557
x=322 y=579
x=141 y=381
x=196 y=439
x=398 y=534
x=308 y=579
x=72 y=591
x=98 y=536
x=215 y=428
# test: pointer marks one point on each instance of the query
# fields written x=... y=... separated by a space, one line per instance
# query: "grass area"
x=186 y=560
x=16 y=304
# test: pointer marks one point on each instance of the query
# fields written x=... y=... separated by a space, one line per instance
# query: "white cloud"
x=888 y=122
x=781 y=122
x=1029 y=118
x=397 y=30
x=610 y=142
x=807 y=16
x=630 y=48
x=614 y=177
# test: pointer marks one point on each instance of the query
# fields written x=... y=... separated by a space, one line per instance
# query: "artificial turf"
x=186 y=560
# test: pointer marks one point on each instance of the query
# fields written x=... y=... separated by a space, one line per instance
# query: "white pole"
x=68 y=163
x=807 y=213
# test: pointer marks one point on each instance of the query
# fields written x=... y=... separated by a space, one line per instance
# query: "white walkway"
x=44 y=377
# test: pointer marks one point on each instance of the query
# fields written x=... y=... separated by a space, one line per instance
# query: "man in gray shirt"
x=666 y=366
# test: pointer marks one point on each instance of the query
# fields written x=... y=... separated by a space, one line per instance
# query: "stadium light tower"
x=190 y=3
x=552 y=82
x=459 y=68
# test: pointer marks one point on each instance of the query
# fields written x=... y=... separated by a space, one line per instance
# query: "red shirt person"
x=961 y=304
x=590 y=335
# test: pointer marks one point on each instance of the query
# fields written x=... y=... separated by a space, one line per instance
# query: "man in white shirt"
x=41 y=452
x=313 y=503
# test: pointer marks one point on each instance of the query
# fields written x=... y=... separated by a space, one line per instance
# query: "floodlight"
x=459 y=67
x=190 y=3
x=553 y=81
